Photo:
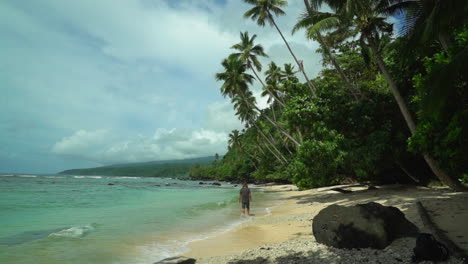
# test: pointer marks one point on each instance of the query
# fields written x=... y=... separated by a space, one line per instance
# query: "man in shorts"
x=245 y=197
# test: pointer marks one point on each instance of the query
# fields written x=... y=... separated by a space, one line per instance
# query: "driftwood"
x=344 y=188
x=439 y=234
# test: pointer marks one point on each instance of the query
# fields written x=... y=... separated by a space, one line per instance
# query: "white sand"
x=285 y=236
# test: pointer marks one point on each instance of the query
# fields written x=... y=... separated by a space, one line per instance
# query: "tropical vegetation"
x=390 y=105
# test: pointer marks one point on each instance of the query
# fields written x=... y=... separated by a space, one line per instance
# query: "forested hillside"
x=167 y=168
x=390 y=105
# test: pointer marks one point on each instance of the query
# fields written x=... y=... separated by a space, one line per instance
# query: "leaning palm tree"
x=289 y=73
x=306 y=21
x=236 y=85
x=262 y=12
x=430 y=19
x=368 y=19
x=247 y=53
x=245 y=112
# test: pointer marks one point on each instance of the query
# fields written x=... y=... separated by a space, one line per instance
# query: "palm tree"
x=289 y=73
x=236 y=83
x=234 y=78
x=245 y=112
x=431 y=19
x=369 y=20
x=248 y=53
x=262 y=13
x=308 y=19
x=235 y=140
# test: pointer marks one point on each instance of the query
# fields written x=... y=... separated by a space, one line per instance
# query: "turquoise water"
x=82 y=219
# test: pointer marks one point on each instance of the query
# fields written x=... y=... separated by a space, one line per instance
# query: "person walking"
x=245 y=197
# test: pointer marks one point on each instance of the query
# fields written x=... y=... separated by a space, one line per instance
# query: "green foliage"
x=464 y=179
x=349 y=132
x=174 y=168
x=316 y=162
x=443 y=130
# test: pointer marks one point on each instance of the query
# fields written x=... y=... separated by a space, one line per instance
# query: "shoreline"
x=286 y=233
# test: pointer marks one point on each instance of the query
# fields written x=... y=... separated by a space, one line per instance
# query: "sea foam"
x=73 y=232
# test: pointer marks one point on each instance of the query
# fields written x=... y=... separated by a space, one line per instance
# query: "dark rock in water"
x=177 y=260
x=158 y=185
x=216 y=183
x=110 y=183
x=428 y=248
x=235 y=185
x=201 y=183
x=369 y=225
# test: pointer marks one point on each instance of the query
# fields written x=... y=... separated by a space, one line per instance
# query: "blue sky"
x=89 y=83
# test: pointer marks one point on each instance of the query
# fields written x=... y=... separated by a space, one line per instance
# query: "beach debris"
x=369 y=225
x=177 y=260
x=428 y=248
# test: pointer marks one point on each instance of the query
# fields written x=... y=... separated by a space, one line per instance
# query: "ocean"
x=48 y=219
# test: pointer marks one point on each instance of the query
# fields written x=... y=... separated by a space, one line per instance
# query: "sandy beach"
x=285 y=235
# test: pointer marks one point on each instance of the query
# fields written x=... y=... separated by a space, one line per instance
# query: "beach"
x=285 y=235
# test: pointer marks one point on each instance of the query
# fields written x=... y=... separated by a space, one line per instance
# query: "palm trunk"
x=452 y=183
x=264 y=87
x=282 y=130
x=248 y=154
x=301 y=68
x=335 y=63
x=278 y=154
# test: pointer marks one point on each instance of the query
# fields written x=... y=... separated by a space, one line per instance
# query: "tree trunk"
x=452 y=183
x=280 y=156
x=301 y=68
x=264 y=87
x=248 y=154
x=282 y=130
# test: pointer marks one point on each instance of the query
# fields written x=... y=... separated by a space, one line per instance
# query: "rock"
x=216 y=183
x=369 y=225
x=177 y=260
x=201 y=183
x=110 y=183
x=428 y=248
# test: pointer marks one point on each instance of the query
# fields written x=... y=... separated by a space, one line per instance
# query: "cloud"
x=220 y=116
x=81 y=80
x=163 y=144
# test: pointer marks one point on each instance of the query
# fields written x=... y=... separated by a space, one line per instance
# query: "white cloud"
x=164 y=144
x=81 y=142
x=220 y=116
x=87 y=76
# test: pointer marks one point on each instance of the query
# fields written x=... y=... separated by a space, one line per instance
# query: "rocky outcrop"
x=177 y=260
x=370 y=225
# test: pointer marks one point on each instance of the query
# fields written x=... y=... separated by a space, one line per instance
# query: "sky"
x=97 y=82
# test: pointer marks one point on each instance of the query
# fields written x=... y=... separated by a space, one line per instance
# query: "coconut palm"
x=248 y=53
x=368 y=19
x=289 y=73
x=235 y=79
x=262 y=12
x=245 y=112
x=236 y=85
x=431 y=19
x=308 y=19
